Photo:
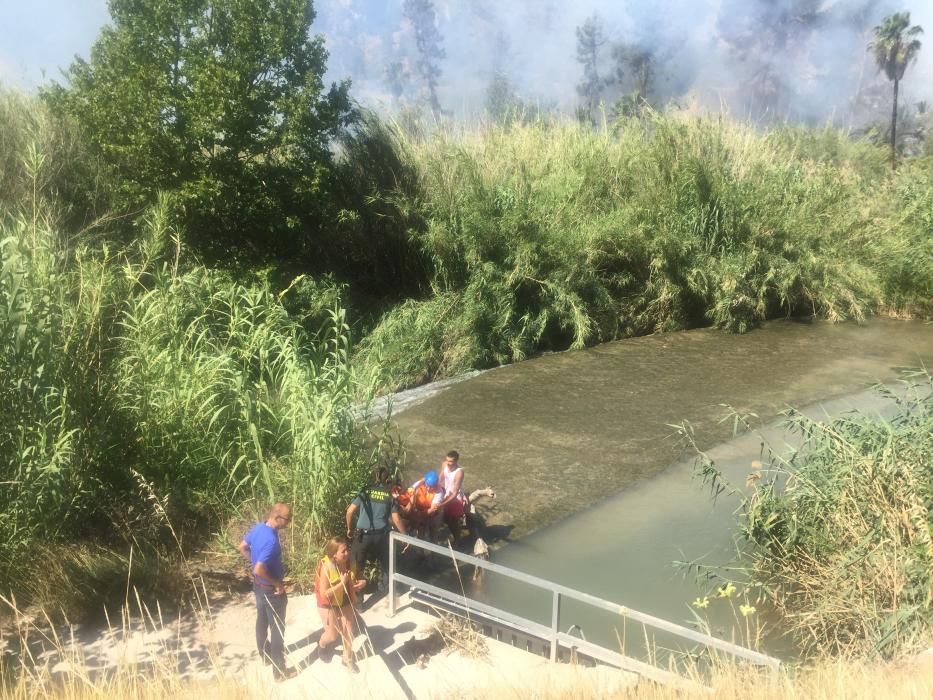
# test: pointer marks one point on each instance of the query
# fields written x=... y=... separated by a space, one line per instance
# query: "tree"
x=220 y=101
x=858 y=17
x=500 y=98
x=504 y=105
x=396 y=77
x=768 y=38
x=895 y=45
x=590 y=39
x=642 y=62
x=423 y=18
x=644 y=71
x=637 y=63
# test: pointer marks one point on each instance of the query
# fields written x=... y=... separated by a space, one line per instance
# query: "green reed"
x=840 y=528
x=147 y=399
x=550 y=235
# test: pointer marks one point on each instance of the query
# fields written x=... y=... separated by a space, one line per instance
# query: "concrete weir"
x=555 y=434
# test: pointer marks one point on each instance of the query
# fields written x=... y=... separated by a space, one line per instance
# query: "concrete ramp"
x=397 y=659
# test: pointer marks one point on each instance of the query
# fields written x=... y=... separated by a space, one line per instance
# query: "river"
x=594 y=490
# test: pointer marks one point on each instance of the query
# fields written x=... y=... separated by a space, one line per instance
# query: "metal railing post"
x=541 y=631
x=391 y=574
x=555 y=624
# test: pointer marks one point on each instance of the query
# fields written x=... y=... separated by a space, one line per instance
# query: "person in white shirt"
x=454 y=502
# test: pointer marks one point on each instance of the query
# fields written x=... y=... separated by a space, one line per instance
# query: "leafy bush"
x=841 y=528
x=146 y=397
x=550 y=235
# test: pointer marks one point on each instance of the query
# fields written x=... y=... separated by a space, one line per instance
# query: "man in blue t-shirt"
x=261 y=546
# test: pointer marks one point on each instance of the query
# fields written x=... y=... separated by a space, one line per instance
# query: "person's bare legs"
x=345 y=625
x=330 y=634
x=434 y=523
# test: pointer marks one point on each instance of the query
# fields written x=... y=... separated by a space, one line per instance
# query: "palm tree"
x=894 y=46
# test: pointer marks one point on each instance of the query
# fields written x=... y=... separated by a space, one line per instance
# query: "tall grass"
x=231 y=403
x=551 y=235
x=903 y=242
x=56 y=304
x=840 y=529
x=41 y=155
x=146 y=398
x=141 y=388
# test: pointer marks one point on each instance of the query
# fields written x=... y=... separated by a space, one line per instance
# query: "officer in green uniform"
x=373 y=508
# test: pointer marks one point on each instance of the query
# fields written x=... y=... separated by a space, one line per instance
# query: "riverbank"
x=227 y=642
x=210 y=656
x=560 y=433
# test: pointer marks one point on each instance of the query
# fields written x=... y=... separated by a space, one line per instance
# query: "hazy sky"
x=40 y=37
x=44 y=35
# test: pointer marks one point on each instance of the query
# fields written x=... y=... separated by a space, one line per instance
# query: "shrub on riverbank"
x=146 y=399
x=841 y=530
x=550 y=236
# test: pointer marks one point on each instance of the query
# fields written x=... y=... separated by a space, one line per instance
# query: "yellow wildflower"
x=727 y=590
x=701 y=602
x=746 y=610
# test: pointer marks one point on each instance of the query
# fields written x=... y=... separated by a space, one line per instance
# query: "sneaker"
x=285 y=675
x=325 y=654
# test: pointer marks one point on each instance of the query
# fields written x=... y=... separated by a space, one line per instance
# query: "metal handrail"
x=552 y=632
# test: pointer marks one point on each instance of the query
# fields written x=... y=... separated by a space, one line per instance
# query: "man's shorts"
x=454 y=509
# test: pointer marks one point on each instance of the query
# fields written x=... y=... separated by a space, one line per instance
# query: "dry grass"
x=825 y=680
x=459 y=634
x=70 y=672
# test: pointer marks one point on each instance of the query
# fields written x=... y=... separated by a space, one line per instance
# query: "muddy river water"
x=594 y=490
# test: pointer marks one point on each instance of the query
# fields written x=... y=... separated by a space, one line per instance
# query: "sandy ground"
x=394 y=659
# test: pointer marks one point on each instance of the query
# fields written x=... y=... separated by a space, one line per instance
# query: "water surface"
x=587 y=435
x=556 y=435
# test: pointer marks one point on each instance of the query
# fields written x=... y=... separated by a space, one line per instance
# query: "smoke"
x=802 y=60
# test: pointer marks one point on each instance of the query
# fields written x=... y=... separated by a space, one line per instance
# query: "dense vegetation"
x=129 y=363
x=187 y=242
x=148 y=398
x=552 y=235
x=840 y=528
